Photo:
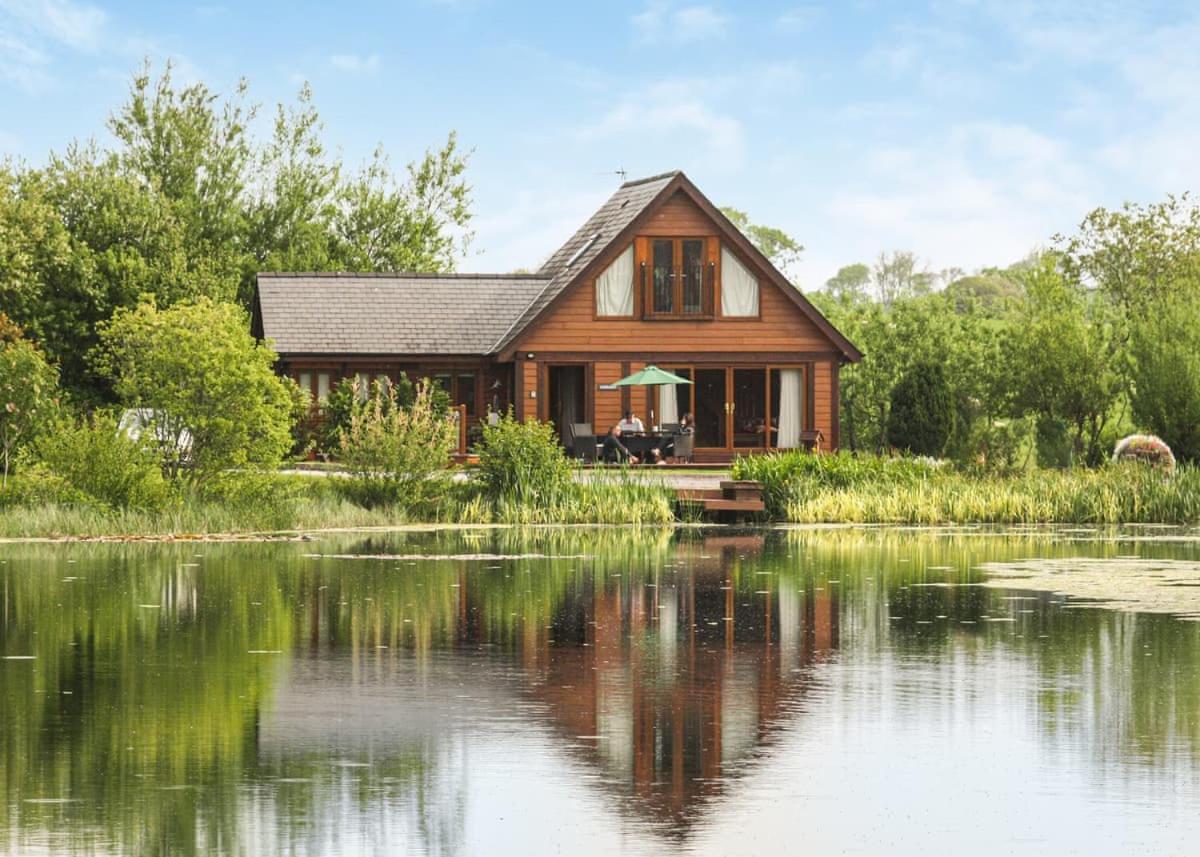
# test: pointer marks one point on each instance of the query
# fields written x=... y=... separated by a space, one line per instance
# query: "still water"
x=591 y=692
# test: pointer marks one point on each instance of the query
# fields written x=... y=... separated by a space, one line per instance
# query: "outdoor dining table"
x=643 y=443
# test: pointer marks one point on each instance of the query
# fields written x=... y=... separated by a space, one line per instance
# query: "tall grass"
x=866 y=489
x=617 y=498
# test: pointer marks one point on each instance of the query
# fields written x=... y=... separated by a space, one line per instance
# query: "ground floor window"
x=316 y=383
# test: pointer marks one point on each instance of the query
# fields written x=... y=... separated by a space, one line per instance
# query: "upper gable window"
x=677 y=278
x=614 y=287
x=739 y=287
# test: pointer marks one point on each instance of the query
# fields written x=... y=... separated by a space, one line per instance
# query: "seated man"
x=614 y=451
x=631 y=423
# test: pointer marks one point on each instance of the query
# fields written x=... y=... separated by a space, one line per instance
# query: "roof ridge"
x=670 y=174
x=386 y=275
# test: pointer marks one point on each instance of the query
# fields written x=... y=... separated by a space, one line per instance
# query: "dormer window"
x=678 y=278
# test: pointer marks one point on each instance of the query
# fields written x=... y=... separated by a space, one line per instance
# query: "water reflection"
x=607 y=690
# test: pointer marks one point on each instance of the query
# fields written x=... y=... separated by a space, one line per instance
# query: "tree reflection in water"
x=245 y=698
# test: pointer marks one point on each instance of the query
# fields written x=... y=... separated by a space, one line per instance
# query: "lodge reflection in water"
x=665 y=679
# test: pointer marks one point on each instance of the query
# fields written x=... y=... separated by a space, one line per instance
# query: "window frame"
x=644 y=276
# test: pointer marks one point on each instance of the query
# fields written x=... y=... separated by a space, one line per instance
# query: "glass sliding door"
x=711 y=408
x=750 y=427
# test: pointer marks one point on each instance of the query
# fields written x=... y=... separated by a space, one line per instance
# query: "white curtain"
x=790 y=408
x=739 y=287
x=668 y=405
x=614 y=288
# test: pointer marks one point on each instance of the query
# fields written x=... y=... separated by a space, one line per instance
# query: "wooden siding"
x=607 y=402
x=529 y=407
x=573 y=327
x=823 y=403
x=678 y=217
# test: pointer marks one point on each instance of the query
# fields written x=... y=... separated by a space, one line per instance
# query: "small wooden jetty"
x=735 y=499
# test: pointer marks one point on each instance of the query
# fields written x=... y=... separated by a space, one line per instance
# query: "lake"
x=597 y=692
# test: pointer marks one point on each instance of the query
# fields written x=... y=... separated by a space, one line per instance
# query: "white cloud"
x=798 y=18
x=676 y=118
x=77 y=26
x=21 y=63
x=985 y=193
x=661 y=21
x=356 y=63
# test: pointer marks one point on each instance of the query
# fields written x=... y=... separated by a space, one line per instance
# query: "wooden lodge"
x=656 y=276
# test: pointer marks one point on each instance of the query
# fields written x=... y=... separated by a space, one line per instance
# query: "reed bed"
x=859 y=489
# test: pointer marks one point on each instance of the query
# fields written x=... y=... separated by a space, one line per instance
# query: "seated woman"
x=631 y=423
x=666 y=446
x=614 y=452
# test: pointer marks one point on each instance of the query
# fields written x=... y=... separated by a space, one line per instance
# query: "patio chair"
x=583 y=442
x=684 y=446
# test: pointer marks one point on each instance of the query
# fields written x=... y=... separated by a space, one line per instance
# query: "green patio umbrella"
x=651 y=376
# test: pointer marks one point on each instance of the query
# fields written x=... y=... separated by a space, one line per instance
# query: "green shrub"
x=522 y=463
x=35 y=486
x=103 y=463
x=921 y=418
x=398 y=456
x=347 y=395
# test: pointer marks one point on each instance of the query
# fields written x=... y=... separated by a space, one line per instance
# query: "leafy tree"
x=1139 y=255
x=28 y=393
x=191 y=146
x=1064 y=357
x=187 y=203
x=780 y=248
x=850 y=283
x=898 y=275
x=991 y=288
x=921 y=417
x=200 y=372
x=1166 y=377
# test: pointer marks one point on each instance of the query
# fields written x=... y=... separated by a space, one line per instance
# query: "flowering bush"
x=1147 y=448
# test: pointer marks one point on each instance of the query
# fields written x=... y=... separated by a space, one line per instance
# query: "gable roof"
x=562 y=269
x=617 y=221
x=479 y=314
x=391 y=313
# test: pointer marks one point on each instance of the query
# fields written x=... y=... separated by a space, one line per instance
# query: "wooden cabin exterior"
x=657 y=276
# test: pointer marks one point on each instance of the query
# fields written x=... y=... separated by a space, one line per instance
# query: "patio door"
x=567 y=399
x=712 y=408
x=748 y=408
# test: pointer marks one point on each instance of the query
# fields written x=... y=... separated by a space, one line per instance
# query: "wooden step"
x=697 y=495
x=734 y=506
x=741 y=489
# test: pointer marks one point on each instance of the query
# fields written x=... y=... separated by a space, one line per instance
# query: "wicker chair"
x=685 y=444
x=583 y=442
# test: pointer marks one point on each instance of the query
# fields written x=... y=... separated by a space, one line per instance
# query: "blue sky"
x=967 y=131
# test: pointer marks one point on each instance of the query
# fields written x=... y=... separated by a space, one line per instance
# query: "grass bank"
x=852 y=489
x=275 y=503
